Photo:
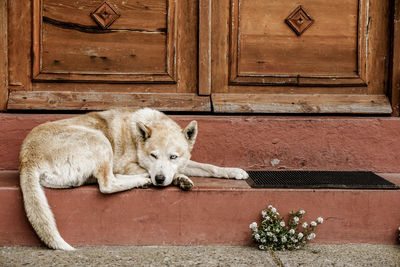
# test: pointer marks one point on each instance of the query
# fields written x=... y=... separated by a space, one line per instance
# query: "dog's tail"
x=38 y=210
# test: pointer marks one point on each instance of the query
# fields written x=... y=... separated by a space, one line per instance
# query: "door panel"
x=74 y=47
x=340 y=59
x=327 y=48
x=94 y=54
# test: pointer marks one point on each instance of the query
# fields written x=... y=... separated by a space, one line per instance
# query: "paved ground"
x=312 y=255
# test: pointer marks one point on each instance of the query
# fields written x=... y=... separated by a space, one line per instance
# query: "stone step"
x=262 y=142
x=214 y=212
x=218 y=212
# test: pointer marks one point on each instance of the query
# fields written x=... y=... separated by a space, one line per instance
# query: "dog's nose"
x=160 y=178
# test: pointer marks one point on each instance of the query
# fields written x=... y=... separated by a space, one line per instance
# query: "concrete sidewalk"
x=311 y=255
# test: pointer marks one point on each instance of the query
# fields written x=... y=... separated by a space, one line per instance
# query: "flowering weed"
x=398 y=239
x=275 y=234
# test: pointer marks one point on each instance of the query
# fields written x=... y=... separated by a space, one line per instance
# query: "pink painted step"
x=219 y=211
x=214 y=212
x=262 y=142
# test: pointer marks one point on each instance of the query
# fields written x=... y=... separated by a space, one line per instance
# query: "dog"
x=119 y=149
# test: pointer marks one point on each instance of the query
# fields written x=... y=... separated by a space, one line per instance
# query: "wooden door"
x=291 y=56
x=262 y=56
x=95 y=54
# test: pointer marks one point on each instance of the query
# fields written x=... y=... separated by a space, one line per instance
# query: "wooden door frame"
x=394 y=91
x=205 y=52
x=3 y=56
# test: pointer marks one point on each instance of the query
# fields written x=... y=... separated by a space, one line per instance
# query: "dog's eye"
x=154 y=155
x=173 y=157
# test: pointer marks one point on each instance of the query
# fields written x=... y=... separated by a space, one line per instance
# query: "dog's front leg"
x=111 y=183
x=183 y=181
x=140 y=180
x=207 y=170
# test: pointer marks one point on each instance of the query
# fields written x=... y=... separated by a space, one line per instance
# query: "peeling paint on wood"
x=275 y=103
x=41 y=100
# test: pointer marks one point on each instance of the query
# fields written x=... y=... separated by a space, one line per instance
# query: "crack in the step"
x=276 y=259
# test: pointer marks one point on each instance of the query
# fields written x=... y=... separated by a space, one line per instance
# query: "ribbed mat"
x=318 y=179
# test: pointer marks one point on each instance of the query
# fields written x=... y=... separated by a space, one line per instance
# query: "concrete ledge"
x=262 y=142
x=210 y=256
x=215 y=212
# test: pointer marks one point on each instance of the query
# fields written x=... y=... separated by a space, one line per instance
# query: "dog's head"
x=164 y=150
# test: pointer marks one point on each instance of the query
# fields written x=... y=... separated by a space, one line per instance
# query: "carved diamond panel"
x=299 y=20
x=105 y=15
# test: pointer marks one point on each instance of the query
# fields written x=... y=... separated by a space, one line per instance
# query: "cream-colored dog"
x=118 y=149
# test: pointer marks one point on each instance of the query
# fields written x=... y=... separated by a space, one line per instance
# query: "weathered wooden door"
x=291 y=56
x=90 y=54
x=263 y=56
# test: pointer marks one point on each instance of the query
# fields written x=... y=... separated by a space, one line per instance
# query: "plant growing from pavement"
x=276 y=234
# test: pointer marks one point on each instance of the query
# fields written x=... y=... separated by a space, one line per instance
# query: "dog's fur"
x=118 y=149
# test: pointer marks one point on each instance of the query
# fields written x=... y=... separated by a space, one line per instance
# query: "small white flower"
x=275 y=239
x=296 y=219
x=261 y=247
x=273 y=210
x=399 y=228
x=304 y=225
x=263 y=240
x=283 y=239
x=302 y=212
x=253 y=226
x=300 y=235
x=282 y=224
x=313 y=223
x=277 y=230
x=270 y=206
x=277 y=213
x=257 y=236
x=269 y=234
x=311 y=236
x=321 y=220
x=264 y=213
x=291 y=231
x=267 y=218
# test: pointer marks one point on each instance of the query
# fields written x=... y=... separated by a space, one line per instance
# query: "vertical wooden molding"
x=362 y=45
x=3 y=56
x=205 y=47
x=171 y=40
x=36 y=37
x=19 y=35
x=220 y=28
x=395 y=68
x=187 y=17
x=378 y=38
x=234 y=39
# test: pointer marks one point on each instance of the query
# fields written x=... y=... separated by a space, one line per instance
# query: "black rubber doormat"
x=318 y=180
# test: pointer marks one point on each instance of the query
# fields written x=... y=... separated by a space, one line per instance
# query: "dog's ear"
x=190 y=133
x=143 y=131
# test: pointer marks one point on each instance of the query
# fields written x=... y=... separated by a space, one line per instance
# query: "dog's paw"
x=145 y=183
x=236 y=173
x=183 y=182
